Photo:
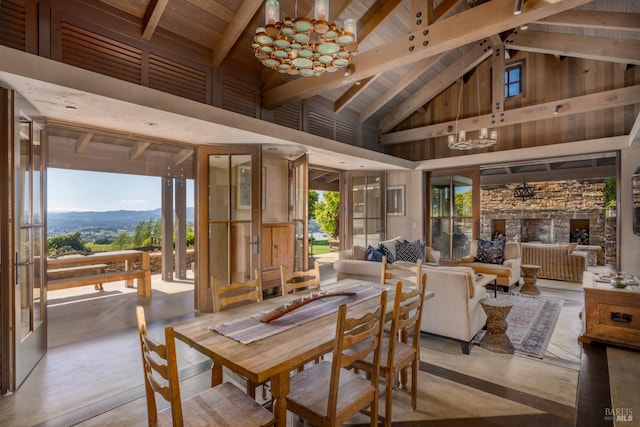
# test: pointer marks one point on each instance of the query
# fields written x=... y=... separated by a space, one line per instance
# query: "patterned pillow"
x=373 y=254
x=387 y=252
x=409 y=251
x=491 y=252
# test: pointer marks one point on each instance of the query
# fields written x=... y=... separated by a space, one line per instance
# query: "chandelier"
x=458 y=140
x=303 y=46
x=524 y=191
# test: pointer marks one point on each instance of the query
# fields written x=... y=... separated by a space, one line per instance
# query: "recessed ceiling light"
x=151 y=124
x=272 y=149
x=70 y=107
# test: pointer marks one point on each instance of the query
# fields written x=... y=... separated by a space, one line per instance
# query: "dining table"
x=259 y=351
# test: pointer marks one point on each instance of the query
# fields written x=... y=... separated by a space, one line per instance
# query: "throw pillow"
x=387 y=252
x=490 y=252
x=373 y=254
x=409 y=251
x=358 y=252
x=391 y=245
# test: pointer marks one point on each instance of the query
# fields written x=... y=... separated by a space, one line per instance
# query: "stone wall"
x=556 y=202
x=155 y=259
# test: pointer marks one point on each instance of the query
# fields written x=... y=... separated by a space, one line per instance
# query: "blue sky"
x=75 y=191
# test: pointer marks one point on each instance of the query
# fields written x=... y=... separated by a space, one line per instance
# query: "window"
x=513 y=80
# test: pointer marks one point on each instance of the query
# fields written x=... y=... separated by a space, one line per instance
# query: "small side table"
x=495 y=338
x=530 y=276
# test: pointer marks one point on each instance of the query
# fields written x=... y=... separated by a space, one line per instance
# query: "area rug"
x=531 y=323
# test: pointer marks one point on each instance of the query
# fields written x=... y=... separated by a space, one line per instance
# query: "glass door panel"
x=299 y=190
x=451 y=215
x=367 y=202
x=229 y=176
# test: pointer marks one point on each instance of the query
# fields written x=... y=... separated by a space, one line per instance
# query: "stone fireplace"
x=561 y=212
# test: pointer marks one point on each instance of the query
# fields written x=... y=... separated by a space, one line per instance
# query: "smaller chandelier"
x=303 y=46
x=524 y=191
x=459 y=140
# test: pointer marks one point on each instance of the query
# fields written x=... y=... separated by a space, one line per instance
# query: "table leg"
x=279 y=390
x=216 y=374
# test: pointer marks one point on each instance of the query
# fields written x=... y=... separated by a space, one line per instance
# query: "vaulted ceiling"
x=409 y=50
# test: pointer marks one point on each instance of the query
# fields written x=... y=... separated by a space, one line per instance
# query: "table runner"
x=252 y=329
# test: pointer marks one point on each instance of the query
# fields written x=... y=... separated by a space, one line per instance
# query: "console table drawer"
x=619 y=316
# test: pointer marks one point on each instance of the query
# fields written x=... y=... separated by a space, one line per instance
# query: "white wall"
x=629 y=245
x=410 y=224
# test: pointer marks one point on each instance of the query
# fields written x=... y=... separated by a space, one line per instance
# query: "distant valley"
x=100 y=224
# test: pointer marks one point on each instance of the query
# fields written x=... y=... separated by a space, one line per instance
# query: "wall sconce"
x=556 y=110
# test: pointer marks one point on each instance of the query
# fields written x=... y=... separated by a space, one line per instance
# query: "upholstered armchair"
x=508 y=271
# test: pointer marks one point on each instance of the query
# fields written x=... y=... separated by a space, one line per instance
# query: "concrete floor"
x=92 y=375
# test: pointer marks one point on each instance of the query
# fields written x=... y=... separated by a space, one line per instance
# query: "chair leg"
x=388 y=397
x=414 y=384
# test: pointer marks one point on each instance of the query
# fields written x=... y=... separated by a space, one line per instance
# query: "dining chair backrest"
x=235 y=293
x=356 y=338
x=392 y=273
x=299 y=280
x=407 y=314
x=160 y=371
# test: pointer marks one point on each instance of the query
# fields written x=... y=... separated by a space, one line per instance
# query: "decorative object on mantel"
x=619 y=281
x=303 y=46
x=458 y=140
x=524 y=191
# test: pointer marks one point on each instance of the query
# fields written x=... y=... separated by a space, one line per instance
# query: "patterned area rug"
x=531 y=323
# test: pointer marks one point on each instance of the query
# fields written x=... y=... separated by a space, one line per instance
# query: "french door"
x=228 y=217
x=363 y=209
x=23 y=290
x=299 y=207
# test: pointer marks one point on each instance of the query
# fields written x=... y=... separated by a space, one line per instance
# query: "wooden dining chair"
x=236 y=293
x=223 y=405
x=328 y=394
x=397 y=353
x=299 y=280
x=408 y=274
x=233 y=294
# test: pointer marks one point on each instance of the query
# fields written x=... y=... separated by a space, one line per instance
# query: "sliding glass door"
x=452 y=214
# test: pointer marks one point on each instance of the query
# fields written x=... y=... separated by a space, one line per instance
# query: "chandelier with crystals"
x=303 y=46
x=459 y=140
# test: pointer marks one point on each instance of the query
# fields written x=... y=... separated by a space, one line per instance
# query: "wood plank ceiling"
x=410 y=51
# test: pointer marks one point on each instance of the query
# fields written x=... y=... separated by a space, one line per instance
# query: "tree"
x=313 y=199
x=327 y=211
x=71 y=242
x=123 y=240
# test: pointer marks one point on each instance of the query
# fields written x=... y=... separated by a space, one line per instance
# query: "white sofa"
x=455 y=310
x=351 y=264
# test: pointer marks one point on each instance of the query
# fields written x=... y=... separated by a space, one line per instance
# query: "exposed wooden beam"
x=580 y=104
x=468 y=61
x=549 y=175
x=497 y=74
x=351 y=93
x=598 y=19
x=83 y=142
x=235 y=28
x=634 y=135
x=625 y=51
x=183 y=155
x=441 y=12
x=468 y=26
x=138 y=149
x=385 y=11
x=152 y=17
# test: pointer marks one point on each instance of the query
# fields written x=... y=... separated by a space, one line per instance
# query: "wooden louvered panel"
x=369 y=137
x=238 y=98
x=12 y=25
x=288 y=115
x=346 y=132
x=320 y=125
x=169 y=76
x=93 y=52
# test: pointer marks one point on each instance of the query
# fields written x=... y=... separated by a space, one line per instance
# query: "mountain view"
x=92 y=225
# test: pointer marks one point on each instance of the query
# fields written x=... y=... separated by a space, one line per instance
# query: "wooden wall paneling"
x=19 y=25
